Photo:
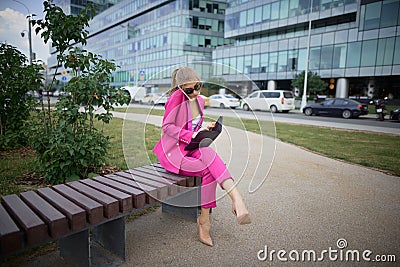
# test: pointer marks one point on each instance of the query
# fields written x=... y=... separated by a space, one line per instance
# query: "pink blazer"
x=176 y=131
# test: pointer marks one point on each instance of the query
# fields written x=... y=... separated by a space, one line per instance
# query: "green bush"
x=17 y=79
x=68 y=143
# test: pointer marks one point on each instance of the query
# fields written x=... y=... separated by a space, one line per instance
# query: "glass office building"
x=354 y=45
x=147 y=38
x=73 y=7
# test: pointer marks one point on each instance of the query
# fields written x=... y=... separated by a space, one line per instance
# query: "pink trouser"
x=206 y=163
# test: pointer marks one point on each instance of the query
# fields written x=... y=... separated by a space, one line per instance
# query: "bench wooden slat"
x=11 y=237
x=110 y=204
x=147 y=184
x=148 y=189
x=56 y=222
x=35 y=229
x=161 y=176
x=125 y=200
x=138 y=196
x=75 y=214
x=151 y=180
x=190 y=181
x=151 y=196
x=94 y=210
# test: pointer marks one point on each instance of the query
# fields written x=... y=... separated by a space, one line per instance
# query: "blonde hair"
x=182 y=76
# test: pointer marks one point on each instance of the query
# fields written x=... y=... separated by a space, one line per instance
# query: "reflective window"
x=339 y=56
x=250 y=16
x=372 y=15
x=282 y=62
x=275 y=10
x=284 y=9
x=292 y=60
x=264 y=62
x=328 y=102
x=390 y=9
x=243 y=19
x=255 y=67
x=315 y=54
x=266 y=12
x=385 y=52
x=240 y=64
x=294 y=9
x=302 y=59
x=258 y=15
x=368 y=54
x=232 y=69
x=340 y=102
x=247 y=64
x=326 y=57
x=273 y=61
x=254 y=95
x=353 y=54
x=396 y=59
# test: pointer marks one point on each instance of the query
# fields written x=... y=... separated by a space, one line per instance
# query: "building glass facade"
x=146 y=38
x=354 y=40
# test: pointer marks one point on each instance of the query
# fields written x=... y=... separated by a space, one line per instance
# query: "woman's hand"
x=208 y=128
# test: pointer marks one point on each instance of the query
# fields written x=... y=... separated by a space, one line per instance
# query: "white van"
x=136 y=93
x=269 y=100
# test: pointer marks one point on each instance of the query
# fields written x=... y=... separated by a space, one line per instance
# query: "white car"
x=154 y=99
x=269 y=100
x=223 y=101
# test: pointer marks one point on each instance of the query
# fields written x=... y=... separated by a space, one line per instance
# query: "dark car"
x=340 y=107
x=395 y=114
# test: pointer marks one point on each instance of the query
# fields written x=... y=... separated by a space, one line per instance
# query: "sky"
x=13 y=21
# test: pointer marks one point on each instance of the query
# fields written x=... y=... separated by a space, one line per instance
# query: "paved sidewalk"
x=307 y=202
x=301 y=201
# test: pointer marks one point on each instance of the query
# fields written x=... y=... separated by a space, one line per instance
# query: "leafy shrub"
x=17 y=79
x=68 y=144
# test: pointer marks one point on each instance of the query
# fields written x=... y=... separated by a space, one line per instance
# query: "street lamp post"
x=304 y=97
x=29 y=31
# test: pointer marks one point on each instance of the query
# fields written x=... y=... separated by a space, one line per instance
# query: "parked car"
x=395 y=114
x=224 y=101
x=154 y=99
x=206 y=101
x=135 y=93
x=340 y=107
x=269 y=100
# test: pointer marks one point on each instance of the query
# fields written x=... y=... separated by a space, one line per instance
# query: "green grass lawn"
x=376 y=150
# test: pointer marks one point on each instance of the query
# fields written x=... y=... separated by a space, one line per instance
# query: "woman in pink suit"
x=182 y=120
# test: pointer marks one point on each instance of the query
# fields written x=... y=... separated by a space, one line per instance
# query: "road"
x=364 y=123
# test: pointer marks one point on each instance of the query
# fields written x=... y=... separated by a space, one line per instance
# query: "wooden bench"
x=88 y=213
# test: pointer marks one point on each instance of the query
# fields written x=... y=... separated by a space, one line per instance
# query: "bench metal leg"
x=76 y=248
x=185 y=205
x=111 y=236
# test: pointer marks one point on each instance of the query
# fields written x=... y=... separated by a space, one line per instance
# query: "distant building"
x=73 y=7
x=354 y=45
x=148 y=38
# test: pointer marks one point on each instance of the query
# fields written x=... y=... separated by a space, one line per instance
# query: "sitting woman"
x=182 y=120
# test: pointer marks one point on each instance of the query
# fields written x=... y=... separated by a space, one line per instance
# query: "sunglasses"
x=189 y=91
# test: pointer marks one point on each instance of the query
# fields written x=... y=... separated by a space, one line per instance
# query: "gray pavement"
x=300 y=202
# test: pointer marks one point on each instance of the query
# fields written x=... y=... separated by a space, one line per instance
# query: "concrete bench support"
x=76 y=248
x=185 y=205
